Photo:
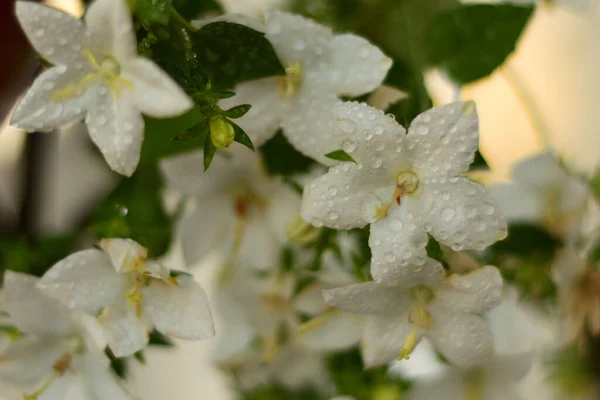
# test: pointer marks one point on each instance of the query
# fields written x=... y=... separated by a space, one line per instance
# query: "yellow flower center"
x=289 y=84
x=407 y=182
x=107 y=70
x=419 y=317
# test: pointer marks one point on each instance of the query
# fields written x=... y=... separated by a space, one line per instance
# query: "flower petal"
x=464 y=339
x=29 y=360
x=509 y=368
x=518 y=202
x=369 y=298
x=55 y=35
x=99 y=379
x=181 y=311
x=462 y=215
x=154 y=92
x=398 y=246
x=110 y=28
x=125 y=254
x=125 y=332
x=38 y=111
x=117 y=128
x=334 y=330
x=84 y=280
x=383 y=338
x=338 y=200
x=31 y=311
x=356 y=67
x=267 y=112
x=297 y=39
x=445 y=139
x=473 y=293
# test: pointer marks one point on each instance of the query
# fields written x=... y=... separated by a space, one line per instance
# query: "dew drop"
x=316 y=222
x=332 y=190
x=348 y=145
x=447 y=214
x=376 y=163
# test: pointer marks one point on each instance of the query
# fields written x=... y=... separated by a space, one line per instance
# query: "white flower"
x=406 y=185
x=131 y=294
x=97 y=75
x=442 y=310
x=542 y=192
x=59 y=352
x=239 y=209
x=320 y=67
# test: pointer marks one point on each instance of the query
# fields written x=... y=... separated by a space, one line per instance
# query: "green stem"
x=182 y=21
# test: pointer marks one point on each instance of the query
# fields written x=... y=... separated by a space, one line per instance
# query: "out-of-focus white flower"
x=60 y=352
x=130 y=294
x=579 y=293
x=438 y=308
x=320 y=67
x=542 y=192
x=97 y=75
x=238 y=208
x=406 y=185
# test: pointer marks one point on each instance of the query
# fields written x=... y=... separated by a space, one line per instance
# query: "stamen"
x=135 y=298
x=409 y=345
x=316 y=321
x=288 y=85
x=382 y=211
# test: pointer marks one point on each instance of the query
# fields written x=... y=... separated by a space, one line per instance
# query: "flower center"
x=407 y=182
x=289 y=84
x=418 y=316
x=107 y=70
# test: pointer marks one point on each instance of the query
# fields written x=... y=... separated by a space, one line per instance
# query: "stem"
x=541 y=129
x=182 y=21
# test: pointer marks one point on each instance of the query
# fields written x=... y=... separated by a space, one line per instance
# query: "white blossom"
x=542 y=192
x=97 y=75
x=130 y=295
x=238 y=210
x=405 y=186
x=320 y=67
x=60 y=352
x=440 y=309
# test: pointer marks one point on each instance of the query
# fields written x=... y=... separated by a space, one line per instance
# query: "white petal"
x=125 y=332
x=464 y=339
x=310 y=300
x=57 y=36
x=462 y=215
x=474 y=293
x=99 y=379
x=181 y=311
x=260 y=246
x=541 y=172
x=518 y=202
x=38 y=111
x=297 y=39
x=29 y=360
x=335 y=330
x=445 y=139
x=31 y=311
x=235 y=18
x=84 y=280
x=383 y=338
x=117 y=128
x=398 y=246
x=384 y=96
x=369 y=298
x=568 y=267
x=209 y=228
x=338 y=200
x=110 y=28
x=125 y=254
x=508 y=368
x=267 y=112
x=154 y=92
x=356 y=66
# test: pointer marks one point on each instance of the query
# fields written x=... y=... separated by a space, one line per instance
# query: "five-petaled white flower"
x=59 y=353
x=130 y=294
x=542 y=192
x=239 y=209
x=438 y=308
x=98 y=75
x=406 y=185
x=320 y=67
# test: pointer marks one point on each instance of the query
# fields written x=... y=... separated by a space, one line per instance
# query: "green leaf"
x=139 y=355
x=135 y=210
x=153 y=12
x=233 y=53
x=526 y=240
x=281 y=158
x=159 y=339
x=237 y=111
x=340 y=155
x=192 y=9
x=224 y=94
x=119 y=365
x=470 y=42
x=241 y=137
x=434 y=250
x=202 y=130
x=209 y=153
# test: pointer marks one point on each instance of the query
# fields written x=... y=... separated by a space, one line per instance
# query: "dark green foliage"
x=158 y=339
x=470 y=42
x=118 y=364
x=241 y=137
x=237 y=111
x=526 y=240
x=153 y=12
x=479 y=162
x=280 y=158
x=191 y=9
x=434 y=250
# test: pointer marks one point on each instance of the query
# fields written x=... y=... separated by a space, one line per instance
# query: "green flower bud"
x=221 y=132
x=299 y=231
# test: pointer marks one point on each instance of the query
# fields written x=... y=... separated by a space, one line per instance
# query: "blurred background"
x=551 y=79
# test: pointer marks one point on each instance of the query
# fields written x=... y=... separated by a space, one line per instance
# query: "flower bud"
x=221 y=132
x=299 y=231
